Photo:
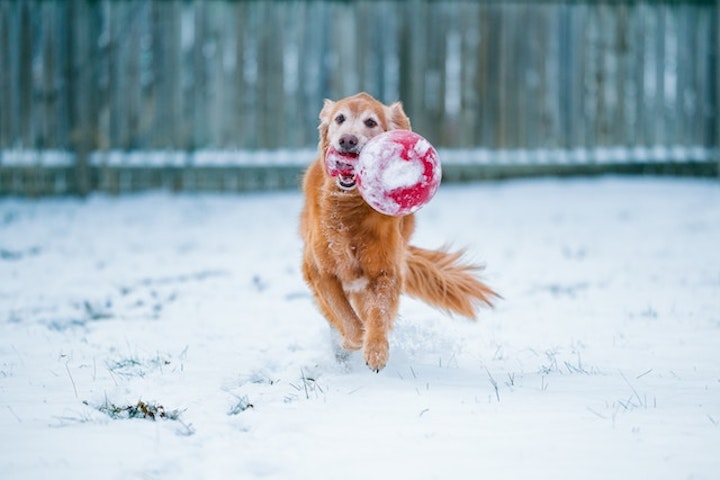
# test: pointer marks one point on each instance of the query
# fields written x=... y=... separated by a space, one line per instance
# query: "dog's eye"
x=370 y=123
x=340 y=119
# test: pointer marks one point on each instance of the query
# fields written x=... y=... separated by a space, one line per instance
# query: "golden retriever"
x=356 y=260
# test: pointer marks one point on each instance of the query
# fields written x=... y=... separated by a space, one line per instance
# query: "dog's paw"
x=376 y=354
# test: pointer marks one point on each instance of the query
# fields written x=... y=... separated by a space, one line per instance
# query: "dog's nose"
x=348 y=142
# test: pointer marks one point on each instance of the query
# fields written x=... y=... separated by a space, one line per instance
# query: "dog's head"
x=346 y=126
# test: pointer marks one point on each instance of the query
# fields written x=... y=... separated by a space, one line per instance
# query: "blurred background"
x=224 y=95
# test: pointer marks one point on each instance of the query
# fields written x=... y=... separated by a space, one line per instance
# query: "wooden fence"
x=99 y=78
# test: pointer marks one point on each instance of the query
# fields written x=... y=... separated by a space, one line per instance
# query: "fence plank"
x=7 y=135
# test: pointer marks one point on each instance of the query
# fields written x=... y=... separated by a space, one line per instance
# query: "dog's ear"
x=324 y=124
x=325 y=112
x=397 y=120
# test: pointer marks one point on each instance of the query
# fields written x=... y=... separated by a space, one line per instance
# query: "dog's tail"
x=441 y=279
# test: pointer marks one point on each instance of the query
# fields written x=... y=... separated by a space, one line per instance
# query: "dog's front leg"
x=337 y=309
x=379 y=307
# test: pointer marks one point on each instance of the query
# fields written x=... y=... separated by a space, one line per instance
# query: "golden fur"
x=357 y=261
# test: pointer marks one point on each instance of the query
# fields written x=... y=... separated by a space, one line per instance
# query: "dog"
x=357 y=261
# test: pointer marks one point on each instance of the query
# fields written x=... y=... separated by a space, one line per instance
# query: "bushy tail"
x=441 y=279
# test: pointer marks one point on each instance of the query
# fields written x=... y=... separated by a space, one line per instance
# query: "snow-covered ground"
x=602 y=361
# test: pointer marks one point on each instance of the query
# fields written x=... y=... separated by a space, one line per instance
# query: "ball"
x=398 y=172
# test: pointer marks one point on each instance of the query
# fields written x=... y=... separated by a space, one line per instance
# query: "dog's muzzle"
x=341 y=165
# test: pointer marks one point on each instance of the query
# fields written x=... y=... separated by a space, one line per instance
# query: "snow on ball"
x=398 y=172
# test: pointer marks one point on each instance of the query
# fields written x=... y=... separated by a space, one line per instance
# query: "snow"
x=402 y=174
x=31 y=158
x=601 y=361
x=301 y=157
x=161 y=158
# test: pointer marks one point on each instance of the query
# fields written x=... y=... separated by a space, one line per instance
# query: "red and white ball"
x=398 y=172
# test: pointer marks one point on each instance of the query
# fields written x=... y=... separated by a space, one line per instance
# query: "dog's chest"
x=342 y=228
x=344 y=245
x=359 y=243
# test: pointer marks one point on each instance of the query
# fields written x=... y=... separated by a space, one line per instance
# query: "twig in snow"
x=498 y=355
x=20 y=420
x=242 y=404
x=71 y=378
x=309 y=384
x=626 y=404
x=22 y=362
x=494 y=384
x=596 y=413
x=304 y=379
x=453 y=358
x=637 y=395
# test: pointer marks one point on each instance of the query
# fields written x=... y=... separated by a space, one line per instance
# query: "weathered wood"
x=191 y=75
x=127 y=75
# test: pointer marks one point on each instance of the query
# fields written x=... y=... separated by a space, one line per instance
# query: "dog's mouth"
x=347 y=183
x=341 y=165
